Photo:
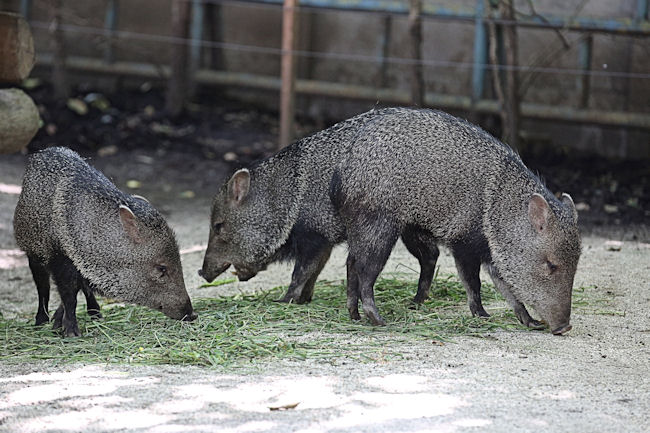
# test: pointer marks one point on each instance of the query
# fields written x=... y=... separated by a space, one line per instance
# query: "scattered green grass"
x=248 y=328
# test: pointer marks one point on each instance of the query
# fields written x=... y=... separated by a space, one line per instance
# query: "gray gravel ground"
x=594 y=379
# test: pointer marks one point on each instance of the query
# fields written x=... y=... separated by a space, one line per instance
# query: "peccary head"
x=537 y=255
x=129 y=253
x=252 y=215
x=156 y=268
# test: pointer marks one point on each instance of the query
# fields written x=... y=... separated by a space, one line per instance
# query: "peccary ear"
x=239 y=185
x=130 y=224
x=538 y=212
x=567 y=200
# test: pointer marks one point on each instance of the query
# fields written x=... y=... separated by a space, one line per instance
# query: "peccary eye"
x=551 y=266
x=162 y=269
x=218 y=227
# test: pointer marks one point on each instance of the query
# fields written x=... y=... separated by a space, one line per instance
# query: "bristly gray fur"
x=470 y=192
x=69 y=208
x=423 y=175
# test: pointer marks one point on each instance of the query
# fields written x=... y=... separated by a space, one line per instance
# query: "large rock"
x=19 y=120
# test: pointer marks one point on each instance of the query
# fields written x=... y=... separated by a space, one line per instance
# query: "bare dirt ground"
x=594 y=379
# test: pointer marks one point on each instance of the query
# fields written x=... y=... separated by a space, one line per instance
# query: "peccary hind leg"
x=422 y=245
x=469 y=268
x=370 y=243
x=42 y=280
x=352 y=289
x=67 y=279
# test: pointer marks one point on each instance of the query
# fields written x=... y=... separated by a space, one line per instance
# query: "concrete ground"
x=596 y=378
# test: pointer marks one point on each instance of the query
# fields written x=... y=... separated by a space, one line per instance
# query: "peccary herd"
x=421 y=175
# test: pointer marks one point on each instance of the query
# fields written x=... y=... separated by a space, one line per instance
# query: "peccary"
x=74 y=224
x=467 y=191
x=279 y=209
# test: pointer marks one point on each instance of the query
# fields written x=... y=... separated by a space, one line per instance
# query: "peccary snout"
x=186 y=313
x=209 y=272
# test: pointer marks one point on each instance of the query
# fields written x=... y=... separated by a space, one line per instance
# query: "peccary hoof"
x=562 y=330
x=537 y=325
x=420 y=299
x=374 y=318
x=95 y=314
x=72 y=331
x=41 y=319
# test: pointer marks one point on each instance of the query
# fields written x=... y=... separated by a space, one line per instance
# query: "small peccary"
x=279 y=209
x=469 y=192
x=75 y=225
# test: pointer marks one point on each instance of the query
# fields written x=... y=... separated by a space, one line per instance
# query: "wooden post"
x=511 y=127
x=415 y=33
x=288 y=91
x=16 y=48
x=178 y=82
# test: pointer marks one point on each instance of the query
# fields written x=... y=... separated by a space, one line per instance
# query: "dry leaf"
x=284 y=407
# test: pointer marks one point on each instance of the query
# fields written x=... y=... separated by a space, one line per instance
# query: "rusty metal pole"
x=288 y=90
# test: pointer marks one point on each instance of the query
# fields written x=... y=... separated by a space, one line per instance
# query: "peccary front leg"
x=352 y=289
x=422 y=245
x=66 y=277
x=469 y=268
x=312 y=255
x=519 y=308
x=42 y=279
x=370 y=242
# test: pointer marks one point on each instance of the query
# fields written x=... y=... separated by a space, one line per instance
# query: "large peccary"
x=74 y=224
x=279 y=209
x=468 y=191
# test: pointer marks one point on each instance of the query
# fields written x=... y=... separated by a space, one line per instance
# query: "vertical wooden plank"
x=510 y=43
x=288 y=72
x=178 y=82
x=415 y=34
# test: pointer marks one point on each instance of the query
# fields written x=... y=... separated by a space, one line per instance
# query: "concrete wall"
x=360 y=34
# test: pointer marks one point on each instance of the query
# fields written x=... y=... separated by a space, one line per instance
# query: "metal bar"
x=584 y=81
x=196 y=33
x=384 y=48
x=110 y=24
x=288 y=72
x=641 y=10
x=26 y=8
x=350 y=91
x=480 y=52
x=434 y=11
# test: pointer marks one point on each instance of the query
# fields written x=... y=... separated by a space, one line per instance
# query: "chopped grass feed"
x=249 y=328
